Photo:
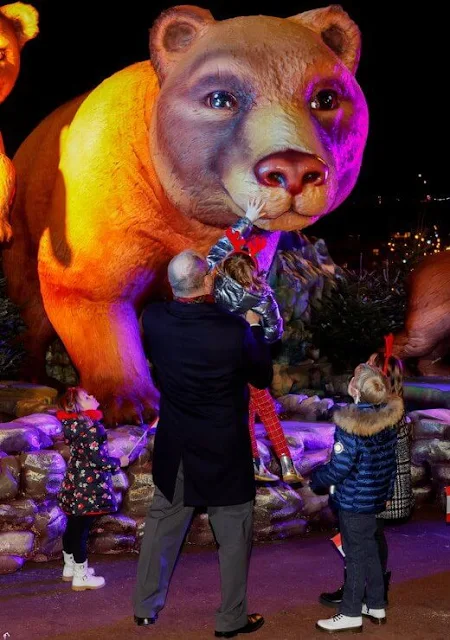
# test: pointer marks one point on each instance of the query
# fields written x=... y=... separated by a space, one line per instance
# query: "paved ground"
x=285 y=579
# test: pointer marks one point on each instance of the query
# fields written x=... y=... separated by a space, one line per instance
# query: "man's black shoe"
x=255 y=622
x=145 y=622
x=332 y=599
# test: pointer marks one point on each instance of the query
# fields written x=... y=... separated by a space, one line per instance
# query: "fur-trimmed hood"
x=367 y=420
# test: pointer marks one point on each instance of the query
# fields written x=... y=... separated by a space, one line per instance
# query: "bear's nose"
x=291 y=170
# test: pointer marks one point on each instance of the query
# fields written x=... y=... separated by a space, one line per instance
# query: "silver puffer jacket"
x=233 y=297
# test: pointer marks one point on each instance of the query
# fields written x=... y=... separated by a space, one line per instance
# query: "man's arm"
x=257 y=356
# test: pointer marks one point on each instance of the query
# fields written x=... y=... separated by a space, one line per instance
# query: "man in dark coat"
x=203 y=360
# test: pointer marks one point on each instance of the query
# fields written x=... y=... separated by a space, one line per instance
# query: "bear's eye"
x=325 y=100
x=221 y=100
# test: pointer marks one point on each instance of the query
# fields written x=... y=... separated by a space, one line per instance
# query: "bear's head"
x=257 y=106
x=18 y=24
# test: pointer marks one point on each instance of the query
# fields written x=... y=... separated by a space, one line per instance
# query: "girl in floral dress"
x=86 y=491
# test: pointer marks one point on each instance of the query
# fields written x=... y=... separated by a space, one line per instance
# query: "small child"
x=403 y=500
x=86 y=491
x=239 y=287
x=362 y=470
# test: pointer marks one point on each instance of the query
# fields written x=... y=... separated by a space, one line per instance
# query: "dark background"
x=403 y=72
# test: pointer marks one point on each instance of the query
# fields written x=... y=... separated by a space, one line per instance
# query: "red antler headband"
x=388 y=346
x=253 y=246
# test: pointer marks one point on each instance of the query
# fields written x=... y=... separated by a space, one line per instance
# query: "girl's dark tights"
x=76 y=535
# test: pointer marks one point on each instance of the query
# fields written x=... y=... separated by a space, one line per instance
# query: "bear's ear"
x=173 y=33
x=337 y=30
x=24 y=18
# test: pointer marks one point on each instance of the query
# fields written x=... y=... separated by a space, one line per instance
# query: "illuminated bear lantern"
x=162 y=157
x=18 y=24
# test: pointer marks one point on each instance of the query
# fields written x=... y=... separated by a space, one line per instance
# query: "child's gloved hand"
x=254 y=209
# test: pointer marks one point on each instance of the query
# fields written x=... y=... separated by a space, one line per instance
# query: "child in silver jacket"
x=239 y=287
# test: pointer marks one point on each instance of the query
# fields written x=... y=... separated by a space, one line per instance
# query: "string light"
x=405 y=247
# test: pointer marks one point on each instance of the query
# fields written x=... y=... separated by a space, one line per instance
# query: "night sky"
x=403 y=73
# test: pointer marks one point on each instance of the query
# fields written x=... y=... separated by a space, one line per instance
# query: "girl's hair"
x=69 y=401
x=371 y=384
x=394 y=372
x=242 y=268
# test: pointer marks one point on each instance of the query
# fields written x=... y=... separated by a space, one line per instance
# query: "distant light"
x=428 y=241
x=419 y=175
x=404 y=261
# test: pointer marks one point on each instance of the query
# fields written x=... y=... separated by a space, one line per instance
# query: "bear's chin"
x=289 y=221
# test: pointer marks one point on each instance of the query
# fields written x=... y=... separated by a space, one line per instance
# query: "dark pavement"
x=285 y=580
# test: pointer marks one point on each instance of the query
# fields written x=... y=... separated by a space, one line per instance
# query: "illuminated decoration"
x=18 y=25
x=100 y=210
x=381 y=200
x=409 y=247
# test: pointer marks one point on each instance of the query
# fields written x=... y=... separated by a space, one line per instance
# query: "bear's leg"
x=425 y=329
x=36 y=338
x=103 y=341
x=433 y=364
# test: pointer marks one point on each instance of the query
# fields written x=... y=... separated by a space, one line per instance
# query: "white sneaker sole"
x=344 y=630
x=374 y=620
x=88 y=588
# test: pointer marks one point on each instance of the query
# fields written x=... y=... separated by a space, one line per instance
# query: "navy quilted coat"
x=362 y=468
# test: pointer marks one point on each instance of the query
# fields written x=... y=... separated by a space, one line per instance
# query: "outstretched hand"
x=254 y=209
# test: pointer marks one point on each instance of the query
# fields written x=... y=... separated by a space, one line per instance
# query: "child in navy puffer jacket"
x=362 y=471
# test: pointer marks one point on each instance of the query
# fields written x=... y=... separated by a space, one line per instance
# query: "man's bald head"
x=186 y=273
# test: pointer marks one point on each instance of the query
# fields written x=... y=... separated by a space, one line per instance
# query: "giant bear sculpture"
x=163 y=156
x=427 y=325
x=18 y=25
